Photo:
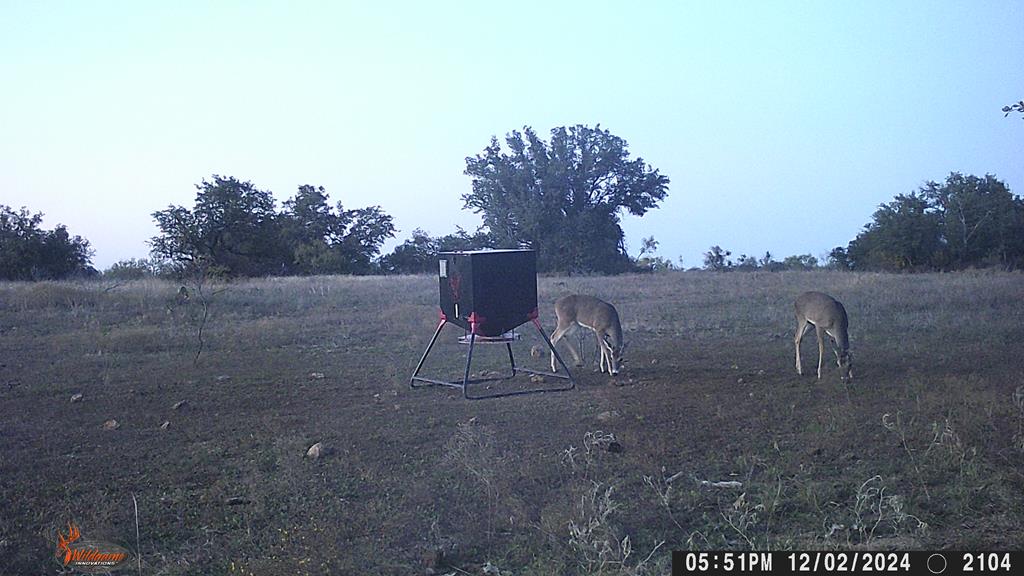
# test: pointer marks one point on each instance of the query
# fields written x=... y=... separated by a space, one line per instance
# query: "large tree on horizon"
x=333 y=241
x=962 y=222
x=231 y=230
x=563 y=198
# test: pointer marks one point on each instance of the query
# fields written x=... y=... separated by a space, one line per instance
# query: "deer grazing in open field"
x=593 y=314
x=828 y=317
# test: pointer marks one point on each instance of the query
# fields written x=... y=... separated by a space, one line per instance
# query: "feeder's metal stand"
x=507 y=339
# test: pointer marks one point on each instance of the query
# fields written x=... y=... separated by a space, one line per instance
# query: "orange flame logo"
x=65 y=543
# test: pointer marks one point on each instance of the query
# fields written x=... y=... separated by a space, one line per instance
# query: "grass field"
x=925 y=449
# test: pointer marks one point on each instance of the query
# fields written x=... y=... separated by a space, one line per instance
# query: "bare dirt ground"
x=925 y=449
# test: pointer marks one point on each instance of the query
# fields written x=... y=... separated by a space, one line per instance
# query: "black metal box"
x=495 y=289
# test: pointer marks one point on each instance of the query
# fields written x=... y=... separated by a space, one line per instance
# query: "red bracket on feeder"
x=536 y=322
x=474 y=321
x=443 y=317
x=533 y=315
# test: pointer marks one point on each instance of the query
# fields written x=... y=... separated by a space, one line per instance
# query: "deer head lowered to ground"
x=827 y=316
x=593 y=314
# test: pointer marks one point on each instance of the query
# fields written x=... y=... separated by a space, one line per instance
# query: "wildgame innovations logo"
x=89 y=556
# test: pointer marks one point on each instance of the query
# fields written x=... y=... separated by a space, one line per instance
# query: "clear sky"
x=781 y=124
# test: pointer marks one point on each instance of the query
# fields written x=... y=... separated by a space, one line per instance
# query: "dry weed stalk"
x=895 y=424
x=872 y=507
x=595 y=542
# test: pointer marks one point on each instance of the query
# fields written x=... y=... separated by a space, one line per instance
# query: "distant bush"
x=717 y=259
x=135 y=269
x=29 y=253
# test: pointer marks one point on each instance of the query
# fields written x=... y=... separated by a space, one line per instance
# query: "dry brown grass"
x=709 y=390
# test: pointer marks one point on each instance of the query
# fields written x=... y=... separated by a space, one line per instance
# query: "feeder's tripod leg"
x=469 y=360
x=412 y=380
x=511 y=359
x=558 y=356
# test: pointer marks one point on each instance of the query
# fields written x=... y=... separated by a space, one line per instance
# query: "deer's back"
x=821 y=310
x=587 y=310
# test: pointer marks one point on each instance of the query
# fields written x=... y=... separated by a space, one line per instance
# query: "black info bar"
x=839 y=562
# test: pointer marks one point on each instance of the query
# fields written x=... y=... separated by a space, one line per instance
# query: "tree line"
x=963 y=222
x=562 y=197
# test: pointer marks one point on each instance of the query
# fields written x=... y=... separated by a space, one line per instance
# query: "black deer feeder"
x=489 y=293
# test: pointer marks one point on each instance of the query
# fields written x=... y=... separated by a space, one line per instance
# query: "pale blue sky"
x=781 y=124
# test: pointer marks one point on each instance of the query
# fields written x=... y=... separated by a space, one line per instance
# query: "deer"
x=828 y=316
x=593 y=314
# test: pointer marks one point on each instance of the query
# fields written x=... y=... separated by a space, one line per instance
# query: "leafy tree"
x=368 y=229
x=648 y=246
x=800 y=262
x=235 y=230
x=563 y=198
x=30 y=253
x=838 y=259
x=904 y=235
x=978 y=218
x=418 y=254
x=131 y=269
x=965 y=221
x=717 y=259
x=335 y=241
x=464 y=241
x=647 y=261
x=747 y=263
x=232 y=230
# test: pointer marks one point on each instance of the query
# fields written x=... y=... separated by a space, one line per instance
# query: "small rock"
x=179 y=404
x=614 y=447
x=237 y=500
x=739 y=380
x=111 y=424
x=315 y=451
x=654 y=360
x=165 y=425
x=316 y=375
x=223 y=378
x=537 y=379
x=536 y=351
x=607 y=415
x=76 y=397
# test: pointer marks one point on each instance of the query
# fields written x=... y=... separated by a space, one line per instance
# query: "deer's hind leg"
x=821 y=347
x=801 y=329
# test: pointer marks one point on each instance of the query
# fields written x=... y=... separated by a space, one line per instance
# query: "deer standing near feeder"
x=593 y=314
